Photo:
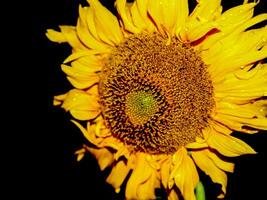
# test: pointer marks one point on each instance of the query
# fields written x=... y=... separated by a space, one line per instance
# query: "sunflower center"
x=155 y=97
x=140 y=107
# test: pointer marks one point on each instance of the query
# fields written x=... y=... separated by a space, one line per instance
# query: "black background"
x=54 y=168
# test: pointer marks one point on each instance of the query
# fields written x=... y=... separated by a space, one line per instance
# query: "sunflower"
x=161 y=90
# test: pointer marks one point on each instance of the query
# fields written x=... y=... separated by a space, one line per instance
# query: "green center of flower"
x=140 y=107
x=155 y=95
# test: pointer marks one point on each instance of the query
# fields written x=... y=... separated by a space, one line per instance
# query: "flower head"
x=162 y=89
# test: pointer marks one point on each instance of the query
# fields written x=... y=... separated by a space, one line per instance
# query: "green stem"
x=200 y=191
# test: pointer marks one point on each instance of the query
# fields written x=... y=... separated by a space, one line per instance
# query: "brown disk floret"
x=155 y=97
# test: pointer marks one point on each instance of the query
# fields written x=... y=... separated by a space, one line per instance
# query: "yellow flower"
x=162 y=89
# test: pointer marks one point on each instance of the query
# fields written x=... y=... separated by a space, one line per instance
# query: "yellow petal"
x=111 y=143
x=239 y=98
x=165 y=172
x=262 y=106
x=55 y=36
x=240 y=124
x=164 y=14
x=106 y=23
x=81 y=54
x=235 y=16
x=244 y=82
x=85 y=36
x=80 y=154
x=173 y=195
x=89 y=63
x=244 y=88
x=182 y=14
x=91 y=23
x=247 y=111
x=81 y=105
x=87 y=133
x=228 y=145
x=251 y=22
x=155 y=161
x=79 y=78
x=66 y=34
x=206 y=10
x=199 y=144
x=141 y=173
x=122 y=151
x=100 y=142
x=220 y=128
x=234 y=63
x=71 y=35
x=58 y=100
x=236 y=44
x=101 y=130
x=219 y=162
x=233 y=26
x=177 y=159
x=118 y=173
x=221 y=48
x=202 y=20
x=195 y=33
x=252 y=40
x=185 y=175
x=140 y=16
x=103 y=156
x=247 y=115
x=146 y=190
x=127 y=21
x=82 y=83
x=208 y=166
x=234 y=125
x=235 y=30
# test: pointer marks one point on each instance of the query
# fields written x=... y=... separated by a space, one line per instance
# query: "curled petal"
x=59 y=99
x=219 y=162
x=142 y=172
x=201 y=20
x=146 y=190
x=208 y=166
x=236 y=16
x=89 y=54
x=173 y=194
x=185 y=175
x=182 y=14
x=227 y=145
x=66 y=34
x=206 y=10
x=80 y=104
x=118 y=173
x=55 y=36
x=164 y=14
x=234 y=63
x=165 y=171
x=80 y=154
x=86 y=36
x=242 y=87
x=103 y=156
x=79 y=78
x=250 y=115
x=106 y=24
x=123 y=10
x=139 y=13
x=198 y=144
x=216 y=39
x=87 y=133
